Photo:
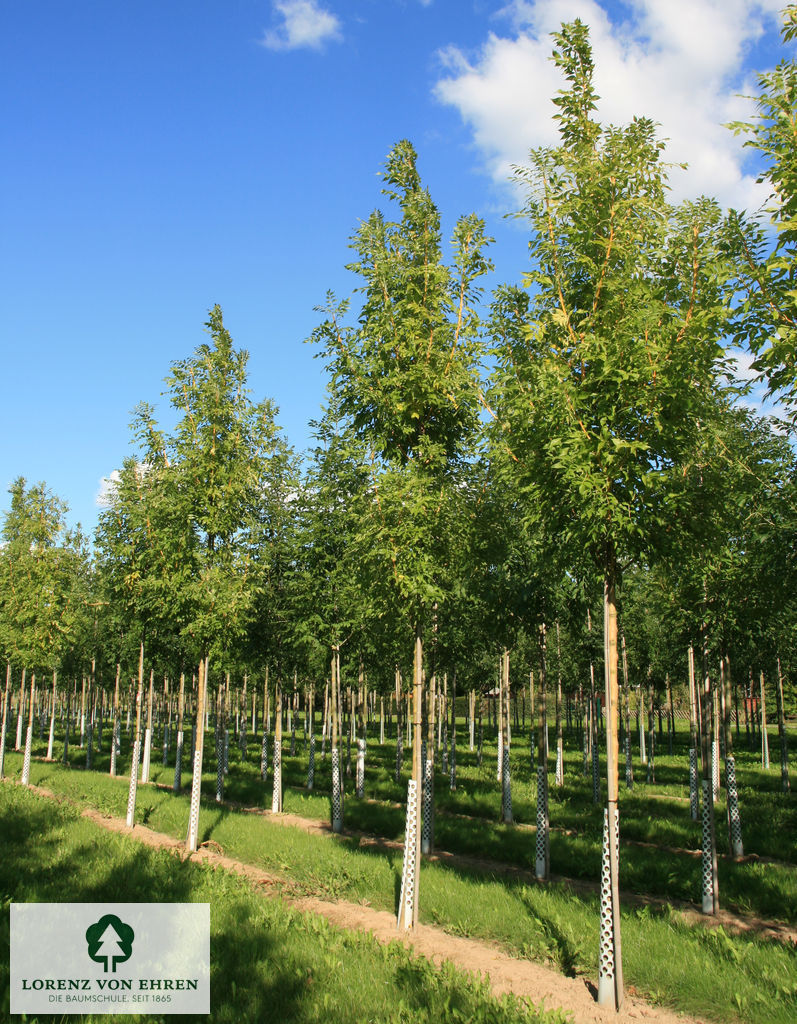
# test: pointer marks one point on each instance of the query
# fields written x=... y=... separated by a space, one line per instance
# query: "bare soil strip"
x=505 y=974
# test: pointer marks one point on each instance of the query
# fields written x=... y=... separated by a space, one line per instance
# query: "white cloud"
x=304 y=24
x=678 y=62
x=104 y=496
x=743 y=362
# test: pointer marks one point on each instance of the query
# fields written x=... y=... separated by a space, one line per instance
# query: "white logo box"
x=138 y=958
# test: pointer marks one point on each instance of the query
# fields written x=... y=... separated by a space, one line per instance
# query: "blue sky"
x=163 y=157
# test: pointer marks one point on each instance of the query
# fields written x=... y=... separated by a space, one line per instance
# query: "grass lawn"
x=268 y=962
x=701 y=971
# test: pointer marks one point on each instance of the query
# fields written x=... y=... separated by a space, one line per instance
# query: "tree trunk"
x=610 y=978
x=629 y=763
x=593 y=712
x=166 y=722
x=543 y=848
x=29 y=734
x=784 y=746
x=92 y=696
x=199 y=744
x=178 y=754
x=51 y=737
x=670 y=716
x=733 y=815
x=709 y=841
x=559 y=774
x=131 y=795
x=452 y=760
x=651 y=778
x=427 y=801
x=21 y=710
x=506 y=782
x=410 y=883
x=148 y=733
x=694 y=799
x=276 y=791
x=6 y=694
x=83 y=714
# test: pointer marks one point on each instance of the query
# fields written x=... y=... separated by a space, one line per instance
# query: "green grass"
x=725 y=978
x=268 y=962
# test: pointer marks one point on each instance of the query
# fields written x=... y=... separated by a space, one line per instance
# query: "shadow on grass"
x=51 y=855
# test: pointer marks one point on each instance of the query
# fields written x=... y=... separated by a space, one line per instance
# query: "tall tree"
x=405 y=376
x=332 y=606
x=44 y=588
x=767 y=315
x=195 y=531
x=605 y=368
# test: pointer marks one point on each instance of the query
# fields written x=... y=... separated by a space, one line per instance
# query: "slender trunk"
x=6 y=694
x=629 y=764
x=694 y=799
x=276 y=792
x=91 y=703
x=610 y=980
x=334 y=721
x=417 y=727
x=651 y=729
x=29 y=734
x=115 y=727
x=428 y=760
x=361 y=732
x=221 y=737
x=559 y=775
x=131 y=795
x=21 y=710
x=734 y=818
x=178 y=755
x=166 y=722
x=543 y=848
x=148 y=734
x=266 y=716
x=51 y=737
x=670 y=715
x=83 y=714
x=715 y=736
x=499 y=710
x=311 y=755
x=408 y=900
x=399 y=726
x=709 y=842
x=593 y=710
x=506 y=783
x=764 y=734
x=784 y=746
x=196 y=778
x=452 y=761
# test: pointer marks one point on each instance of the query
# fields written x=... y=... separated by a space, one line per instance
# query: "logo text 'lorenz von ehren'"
x=110 y=941
x=109 y=958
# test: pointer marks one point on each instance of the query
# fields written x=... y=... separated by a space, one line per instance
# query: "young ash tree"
x=45 y=586
x=766 y=318
x=606 y=364
x=405 y=373
x=332 y=607
x=186 y=543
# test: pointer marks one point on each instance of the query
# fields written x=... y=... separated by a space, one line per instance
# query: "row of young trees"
x=485 y=471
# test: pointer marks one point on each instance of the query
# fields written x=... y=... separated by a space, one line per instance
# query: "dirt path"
x=504 y=973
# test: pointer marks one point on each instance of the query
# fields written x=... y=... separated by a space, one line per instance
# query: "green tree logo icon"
x=110 y=941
